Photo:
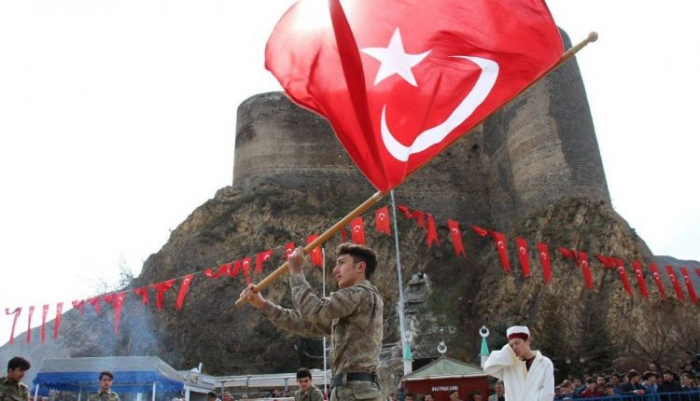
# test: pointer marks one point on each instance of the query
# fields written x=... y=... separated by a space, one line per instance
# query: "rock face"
x=532 y=170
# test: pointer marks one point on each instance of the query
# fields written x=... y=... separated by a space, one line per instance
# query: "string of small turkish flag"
x=357 y=229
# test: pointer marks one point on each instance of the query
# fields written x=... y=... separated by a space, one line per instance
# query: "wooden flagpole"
x=592 y=37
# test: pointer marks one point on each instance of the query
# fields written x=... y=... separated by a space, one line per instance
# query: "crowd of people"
x=649 y=385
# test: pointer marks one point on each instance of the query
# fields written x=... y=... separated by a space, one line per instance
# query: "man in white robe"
x=527 y=375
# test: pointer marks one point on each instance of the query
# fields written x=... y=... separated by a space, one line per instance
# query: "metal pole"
x=36 y=392
x=399 y=278
x=80 y=392
x=153 y=398
x=325 y=359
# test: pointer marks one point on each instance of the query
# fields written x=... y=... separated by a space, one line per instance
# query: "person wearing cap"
x=527 y=375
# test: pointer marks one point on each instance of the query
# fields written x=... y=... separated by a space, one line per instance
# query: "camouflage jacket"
x=314 y=394
x=13 y=392
x=103 y=396
x=352 y=316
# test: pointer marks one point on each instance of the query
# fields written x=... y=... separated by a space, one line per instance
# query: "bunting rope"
x=424 y=220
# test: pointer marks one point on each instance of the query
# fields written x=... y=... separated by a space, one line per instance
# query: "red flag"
x=623 y=276
x=417 y=215
x=143 y=293
x=57 y=321
x=608 y=261
x=316 y=253
x=343 y=235
x=16 y=312
x=288 y=249
x=581 y=259
x=357 y=227
x=657 y=278
x=545 y=261
x=117 y=301
x=480 y=231
x=160 y=290
x=184 y=288
x=585 y=266
x=674 y=281
x=246 y=269
x=523 y=256
x=500 y=240
x=689 y=285
x=381 y=217
x=95 y=302
x=432 y=231
x=79 y=305
x=396 y=98
x=29 y=325
x=223 y=269
x=640 y=279
x=456 y=234
x=237 y=266
x=44 y=313
x=261 y=258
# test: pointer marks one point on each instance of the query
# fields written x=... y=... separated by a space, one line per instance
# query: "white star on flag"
x=395 y=60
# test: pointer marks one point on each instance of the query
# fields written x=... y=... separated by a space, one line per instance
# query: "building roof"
x=444 y=368
x=131 y=374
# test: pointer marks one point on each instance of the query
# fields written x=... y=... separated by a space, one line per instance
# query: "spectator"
x=307 y=391
x=687 y=385
x=105 y=392
x=454 y=395
x=557 y=393
x=428 y=397
x=567 y=390
x=650 y=381
x=499 y=392
x=409 y=397
x=591 y=390
x=633 y=386
x=11 y=387
x=669 y=385
x=600 y=381
x=610 y=391
x=211 y=396
x=226 y=396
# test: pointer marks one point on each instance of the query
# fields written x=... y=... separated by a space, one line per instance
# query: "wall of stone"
x=542 y=148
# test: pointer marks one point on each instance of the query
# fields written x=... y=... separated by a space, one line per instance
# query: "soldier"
x=11 y=387
x=105 y=393
x=307 y=391
x=353 y=316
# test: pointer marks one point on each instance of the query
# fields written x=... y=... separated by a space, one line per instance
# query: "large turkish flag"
x=399 y=80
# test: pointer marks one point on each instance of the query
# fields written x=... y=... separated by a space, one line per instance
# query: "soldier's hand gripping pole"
x=317 y=242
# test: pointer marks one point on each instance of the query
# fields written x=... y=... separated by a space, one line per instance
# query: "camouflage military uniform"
x=13 y=392
x=313 y=394
x=353 y=316
x=103 y=396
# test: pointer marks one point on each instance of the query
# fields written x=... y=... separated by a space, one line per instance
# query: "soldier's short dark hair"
x=359 y=253
x=106 y=373
x=211 y=394
x=410 y=395
x=18 y=363
x=303 y=372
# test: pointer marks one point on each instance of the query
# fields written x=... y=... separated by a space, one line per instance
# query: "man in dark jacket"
x=633 y=386
x=669 y=385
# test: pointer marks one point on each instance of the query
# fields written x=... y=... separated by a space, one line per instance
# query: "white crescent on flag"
x=435 y=135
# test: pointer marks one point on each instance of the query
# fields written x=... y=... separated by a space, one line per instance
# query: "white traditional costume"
x=521 y=384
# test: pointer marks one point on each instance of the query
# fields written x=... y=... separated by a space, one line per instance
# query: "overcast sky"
x=117 y=119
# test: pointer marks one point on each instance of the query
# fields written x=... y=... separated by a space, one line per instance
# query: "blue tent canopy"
x=132 y=374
